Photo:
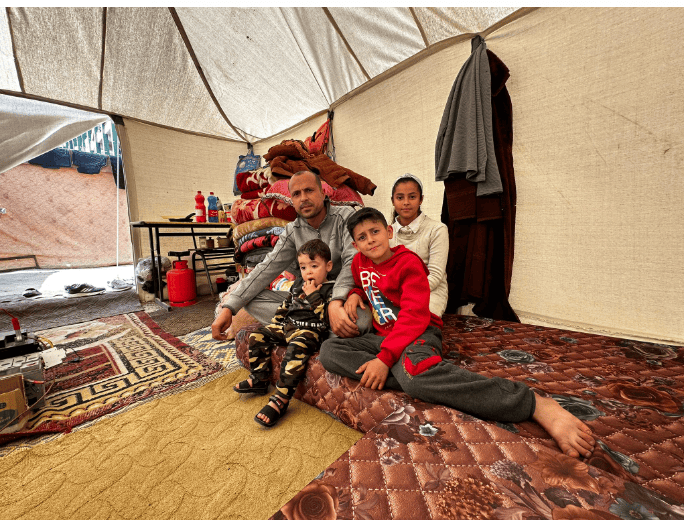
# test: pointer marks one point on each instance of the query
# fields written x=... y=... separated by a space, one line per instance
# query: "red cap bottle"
x=200 y=210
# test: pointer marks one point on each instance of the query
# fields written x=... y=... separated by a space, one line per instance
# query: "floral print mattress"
x=425 y=461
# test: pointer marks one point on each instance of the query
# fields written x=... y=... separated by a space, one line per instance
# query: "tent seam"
x=20 y=77
x=198 y=67
x=429 y=51
x=304 y=58
x=346 y=43
x=102 y=59
x=420 y=26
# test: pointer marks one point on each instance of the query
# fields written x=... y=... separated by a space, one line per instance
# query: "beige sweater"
x=429 y=239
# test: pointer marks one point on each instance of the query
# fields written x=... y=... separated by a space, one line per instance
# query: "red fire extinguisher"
x=181 y=282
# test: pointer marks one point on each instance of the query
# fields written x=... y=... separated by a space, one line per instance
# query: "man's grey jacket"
x=332 y=231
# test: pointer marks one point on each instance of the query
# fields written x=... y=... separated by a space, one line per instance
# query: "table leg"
x=160 y=299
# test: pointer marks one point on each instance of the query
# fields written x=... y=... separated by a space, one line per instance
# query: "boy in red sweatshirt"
x=405 y=351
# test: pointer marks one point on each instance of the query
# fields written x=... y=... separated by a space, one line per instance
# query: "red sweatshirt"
x=399 y=296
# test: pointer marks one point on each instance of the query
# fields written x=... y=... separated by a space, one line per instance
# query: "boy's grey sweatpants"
x=435 y=380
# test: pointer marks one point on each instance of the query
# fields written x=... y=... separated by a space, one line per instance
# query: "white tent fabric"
x=8 y=74
x=597 y=106
x=236 y=73
x=29 y=128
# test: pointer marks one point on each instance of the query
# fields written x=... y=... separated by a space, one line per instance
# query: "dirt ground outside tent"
x=65 y=218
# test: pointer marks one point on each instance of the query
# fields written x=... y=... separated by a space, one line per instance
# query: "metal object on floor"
x=223 y=254
x=191 y=229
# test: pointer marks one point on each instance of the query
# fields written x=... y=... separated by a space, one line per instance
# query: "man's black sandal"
x=270 y=412
x=257 y=387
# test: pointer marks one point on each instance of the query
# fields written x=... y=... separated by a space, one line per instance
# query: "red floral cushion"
x=280 y=209
x=244 y=210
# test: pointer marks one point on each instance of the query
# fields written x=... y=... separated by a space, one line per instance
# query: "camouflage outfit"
x=301 y=324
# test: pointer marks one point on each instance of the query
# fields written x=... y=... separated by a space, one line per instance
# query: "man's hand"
x=374 y=374
x=310 y=286
x=221 y=324
x=340 y=322
x=351 y=304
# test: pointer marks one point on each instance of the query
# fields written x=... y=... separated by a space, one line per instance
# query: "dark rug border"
x=66 y=426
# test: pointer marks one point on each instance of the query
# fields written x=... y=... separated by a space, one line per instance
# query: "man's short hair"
x=361 y=216
x=311 y=169
x=314 y=248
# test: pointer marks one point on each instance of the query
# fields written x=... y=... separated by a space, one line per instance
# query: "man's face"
x=307 y=198
x=371 y=239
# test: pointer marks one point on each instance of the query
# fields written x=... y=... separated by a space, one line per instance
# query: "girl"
x=427 y=238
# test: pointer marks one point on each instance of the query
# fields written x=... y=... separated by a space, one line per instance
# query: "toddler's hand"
x=310 y=287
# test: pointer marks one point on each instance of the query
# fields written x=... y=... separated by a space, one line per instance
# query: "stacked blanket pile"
x=290 y=156
x=265 y=206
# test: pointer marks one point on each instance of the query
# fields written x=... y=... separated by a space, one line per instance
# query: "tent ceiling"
x=238 y=73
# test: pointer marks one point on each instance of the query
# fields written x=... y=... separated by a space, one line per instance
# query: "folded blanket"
x=254 y=179
x=289 y=157
x=244 y=210
x=280 y=209
x=254 y=257
x=289 y=147
x=253 y=244
x=275 y=230
x=255 y=225
x=255 y=194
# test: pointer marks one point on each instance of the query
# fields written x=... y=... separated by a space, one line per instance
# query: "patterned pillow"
x=255 y=225
x=244 y=210
x=283 y=282
x=280 y=209
x=346 y=196
x=280 y=191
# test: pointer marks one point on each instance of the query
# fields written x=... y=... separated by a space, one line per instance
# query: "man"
x=316 y=219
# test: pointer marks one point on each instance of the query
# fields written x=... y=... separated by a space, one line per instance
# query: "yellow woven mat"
x=196 y=454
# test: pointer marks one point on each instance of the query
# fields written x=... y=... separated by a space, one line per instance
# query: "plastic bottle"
x=212 y=213
x=220 y=213
x=200 y=212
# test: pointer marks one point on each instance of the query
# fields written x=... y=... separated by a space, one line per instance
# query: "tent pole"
x=117 y=209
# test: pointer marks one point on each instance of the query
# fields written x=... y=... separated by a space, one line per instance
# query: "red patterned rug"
x=111 y=363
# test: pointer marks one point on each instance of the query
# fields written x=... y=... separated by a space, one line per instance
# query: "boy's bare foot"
x=572 y=436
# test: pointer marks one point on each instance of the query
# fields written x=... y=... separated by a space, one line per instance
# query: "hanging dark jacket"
x=481 y=229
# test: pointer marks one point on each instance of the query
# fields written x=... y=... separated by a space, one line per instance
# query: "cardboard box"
x=12 y=403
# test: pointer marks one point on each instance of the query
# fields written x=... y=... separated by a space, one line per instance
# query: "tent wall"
x=598 y=153
x=164 y=169
x=597 y=148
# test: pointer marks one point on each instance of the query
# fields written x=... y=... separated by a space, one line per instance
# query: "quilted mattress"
x=420 y=460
